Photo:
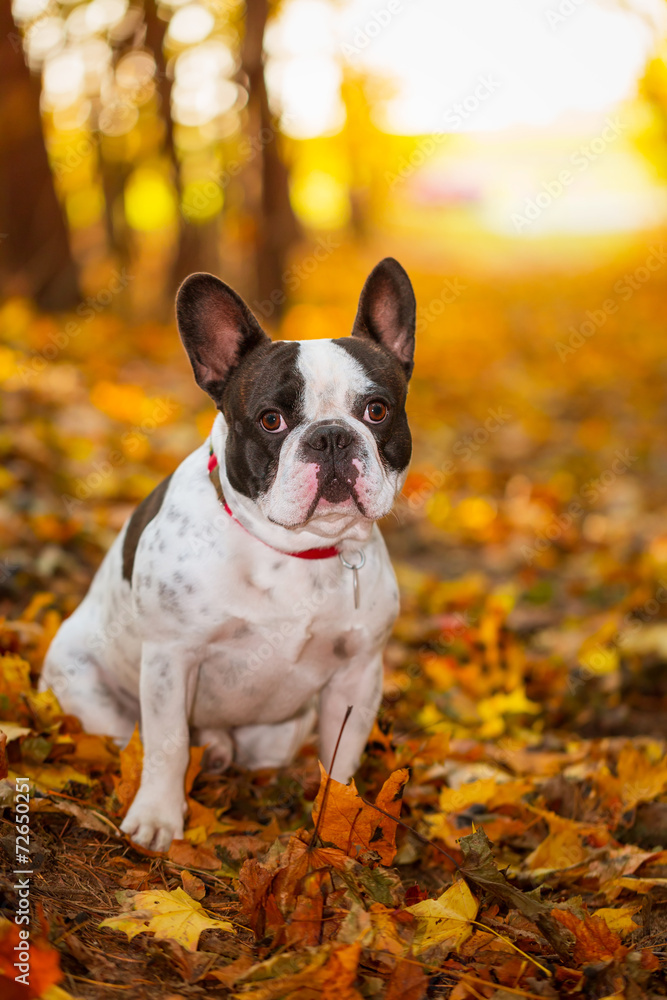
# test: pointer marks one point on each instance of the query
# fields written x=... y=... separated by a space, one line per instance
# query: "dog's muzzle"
x=331 y=446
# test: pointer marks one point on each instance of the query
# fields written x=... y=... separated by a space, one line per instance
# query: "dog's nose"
x=328 y=438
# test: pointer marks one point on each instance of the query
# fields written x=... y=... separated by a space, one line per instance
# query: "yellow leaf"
x=619 y=918
x=56 y=993
x=45 y=708
x=14 y=681
x=598 y=659
x=38 y=602
x=453 y=800
x=561 y=848
x=492 y=710
x=640 y=780
x=169 y=915
x=484 y=791
x=54 y=776
x=445 y=920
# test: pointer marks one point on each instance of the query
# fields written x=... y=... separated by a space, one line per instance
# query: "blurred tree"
x=130 y=138
x=265 y=176
x=35 y=256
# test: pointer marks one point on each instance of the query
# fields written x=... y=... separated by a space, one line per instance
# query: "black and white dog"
x=258 y=582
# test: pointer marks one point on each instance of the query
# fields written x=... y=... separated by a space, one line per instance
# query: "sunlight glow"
x=202 y=90
x=460 y=65
x=191 y=24
x=538 y=69
x=27 y=10
x=63 y=79
x=303 y=71
x=43 y=39
x=104 y=14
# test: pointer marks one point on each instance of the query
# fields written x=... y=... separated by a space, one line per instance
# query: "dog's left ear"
x=217 y=329
x=387 y=311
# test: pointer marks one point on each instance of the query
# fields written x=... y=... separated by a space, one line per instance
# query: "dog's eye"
x=376 y=411
x=272 y=421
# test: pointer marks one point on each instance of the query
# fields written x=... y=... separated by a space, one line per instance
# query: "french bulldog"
x=252 y=588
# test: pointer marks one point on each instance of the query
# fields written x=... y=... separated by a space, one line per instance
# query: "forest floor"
x=525 y=706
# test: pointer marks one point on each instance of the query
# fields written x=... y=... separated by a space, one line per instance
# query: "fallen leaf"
x=183 y=853
x=166 y=914
x=131 y=761
x=594 y=939
x=97 y=753
x=619 y=918
x=352 y=825
x=446 y=920
x=14 y=686
x=480 y=868
x=408 y=981
x=54 y=776
x=45 y=708
x=86 y=818
x=193 y=885
x=562 y=848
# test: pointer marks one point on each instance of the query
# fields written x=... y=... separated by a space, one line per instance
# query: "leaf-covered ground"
x=526 y=691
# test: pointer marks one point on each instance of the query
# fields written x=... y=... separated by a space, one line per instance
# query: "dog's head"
x=316 y=430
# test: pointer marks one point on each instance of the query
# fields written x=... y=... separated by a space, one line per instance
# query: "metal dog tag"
x=355 y=567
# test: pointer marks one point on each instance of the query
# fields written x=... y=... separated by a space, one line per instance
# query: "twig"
x=316 y=831
x=424 y=840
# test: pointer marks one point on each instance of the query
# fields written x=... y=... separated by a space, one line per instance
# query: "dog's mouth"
x=333 y=498
x=335 y=494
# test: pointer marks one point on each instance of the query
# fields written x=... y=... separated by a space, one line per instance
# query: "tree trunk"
x=35 y=257
x=266 y=177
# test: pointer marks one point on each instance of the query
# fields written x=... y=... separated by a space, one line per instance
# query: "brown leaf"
x=193 y=885
x=408 y=981
x=354 y=826
x=595 y=941
x=304 y=927
x=480 y=868
x=183 y=853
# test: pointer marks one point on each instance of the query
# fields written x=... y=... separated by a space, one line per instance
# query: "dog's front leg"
x=167 y=686
x=358 y=685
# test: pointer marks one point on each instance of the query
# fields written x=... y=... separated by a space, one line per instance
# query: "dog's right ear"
x=217 y=329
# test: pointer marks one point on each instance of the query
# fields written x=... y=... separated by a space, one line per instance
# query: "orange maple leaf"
x=352 y=824
x=595 y=941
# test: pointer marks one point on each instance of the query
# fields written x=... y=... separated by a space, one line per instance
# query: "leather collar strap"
x=214 y=476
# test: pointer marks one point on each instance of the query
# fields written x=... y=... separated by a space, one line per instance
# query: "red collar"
x=214 y=475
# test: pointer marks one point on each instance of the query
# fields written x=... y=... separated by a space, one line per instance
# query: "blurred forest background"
x=513 y=157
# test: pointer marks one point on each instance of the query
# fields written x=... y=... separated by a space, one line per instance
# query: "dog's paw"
x=154 y=824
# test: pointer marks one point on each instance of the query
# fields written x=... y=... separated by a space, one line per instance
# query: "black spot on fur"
x=142 y=516
x=267 y=378
x=392 y=436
